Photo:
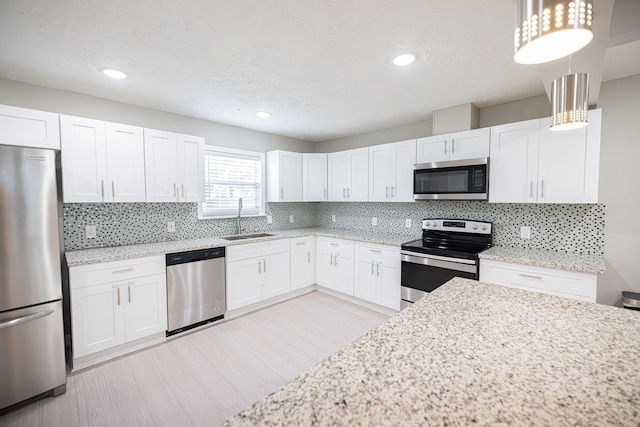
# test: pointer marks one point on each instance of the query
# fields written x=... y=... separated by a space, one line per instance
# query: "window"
x=228 y=176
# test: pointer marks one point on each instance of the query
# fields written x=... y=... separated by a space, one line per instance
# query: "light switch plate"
x=291 y=219
x=525 y=232
x=171 y=227
x=333 y=218
x=269 y=219
x=374 y=221
x=90 y=231
x=407 y=223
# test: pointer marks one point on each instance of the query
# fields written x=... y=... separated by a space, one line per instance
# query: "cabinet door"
x=470 y=144
x=337 y=176
x=97 y=318
x=324 y=265
x=314 y=177
x=358 y=175
x=366 y=280
x=433 y=149
x=290 y=177
x=388 y=272
x=381 y=168
x=402 y=178
x=125 y=163
x=302 y=268
x=243 y=283
x=190 y=168
x=275 y=275
x=145 y=306
x=29 y=128
x=514 y=162
x=343 y=279
x=161 y=166
x=569 y=163
x=84 y=160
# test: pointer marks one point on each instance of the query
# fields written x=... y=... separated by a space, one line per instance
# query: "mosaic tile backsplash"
x=561 y=228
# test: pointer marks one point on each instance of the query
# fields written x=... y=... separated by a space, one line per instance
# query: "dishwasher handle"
x=193 y=256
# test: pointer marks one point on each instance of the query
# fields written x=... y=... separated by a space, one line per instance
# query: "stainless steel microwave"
x=452 y=180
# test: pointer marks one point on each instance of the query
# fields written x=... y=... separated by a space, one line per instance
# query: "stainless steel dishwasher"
x=196 y=288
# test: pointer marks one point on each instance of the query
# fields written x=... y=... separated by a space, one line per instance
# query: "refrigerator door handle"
x=25 y=319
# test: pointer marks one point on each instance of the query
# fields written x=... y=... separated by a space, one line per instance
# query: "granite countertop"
x=573 y=262
x=115 y=253
x=473 y=353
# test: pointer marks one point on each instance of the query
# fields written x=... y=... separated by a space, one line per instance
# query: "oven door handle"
x=468 y=266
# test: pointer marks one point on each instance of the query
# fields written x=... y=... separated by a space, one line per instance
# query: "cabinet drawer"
x=386 y=254
x=547 y=280
x=343 y=248
x=271 y=247
x=92 y=274
x=258 y=249
x=298 y=243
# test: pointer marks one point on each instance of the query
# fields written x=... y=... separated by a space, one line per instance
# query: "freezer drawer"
x=32 y=353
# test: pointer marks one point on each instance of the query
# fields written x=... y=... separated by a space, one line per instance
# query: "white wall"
x=72 y=103
x=619 y=156
x=392 y=134
x=530 y=108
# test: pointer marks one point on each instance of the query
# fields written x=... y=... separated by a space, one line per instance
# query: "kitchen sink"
x=246 y=236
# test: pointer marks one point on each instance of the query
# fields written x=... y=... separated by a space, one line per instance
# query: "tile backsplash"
x=563 y=228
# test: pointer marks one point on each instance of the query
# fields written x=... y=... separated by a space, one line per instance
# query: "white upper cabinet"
x=531 y=164
x=174 y=166
x=101 y=161
x=284 y=176
x=468 y=144
x=391 y=171
x=349 y=175
x=29 y=128
x=314 y=177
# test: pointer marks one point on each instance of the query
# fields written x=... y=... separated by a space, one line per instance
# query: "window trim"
x=210 y=149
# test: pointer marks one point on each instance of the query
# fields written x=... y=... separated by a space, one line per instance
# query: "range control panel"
x=458 y=225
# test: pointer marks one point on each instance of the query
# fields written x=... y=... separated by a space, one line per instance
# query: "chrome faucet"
x=238 y=228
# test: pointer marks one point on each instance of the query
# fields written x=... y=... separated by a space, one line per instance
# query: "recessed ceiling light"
x=263 y=114
x=114 y=74
x=404 y=59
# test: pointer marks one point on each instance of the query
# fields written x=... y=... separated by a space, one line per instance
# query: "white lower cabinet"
x=334 y=263
x=257 y=271
x=377 y=274
x=117 y=302
x=563 y=283
x=303 y=262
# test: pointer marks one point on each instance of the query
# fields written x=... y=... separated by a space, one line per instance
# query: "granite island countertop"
x=115 y=253
x=474 y=353
x=540 y=258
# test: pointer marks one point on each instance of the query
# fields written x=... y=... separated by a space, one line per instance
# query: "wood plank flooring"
x=205 y=377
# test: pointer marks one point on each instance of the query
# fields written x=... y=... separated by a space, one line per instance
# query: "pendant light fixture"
x=551 y=29
x=570 y=102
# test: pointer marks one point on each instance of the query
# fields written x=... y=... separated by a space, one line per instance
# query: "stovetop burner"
x=452 y=238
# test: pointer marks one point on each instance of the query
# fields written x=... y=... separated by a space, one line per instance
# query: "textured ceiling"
x=323 y=68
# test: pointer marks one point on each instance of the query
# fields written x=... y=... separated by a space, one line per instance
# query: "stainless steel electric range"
x=449 y=248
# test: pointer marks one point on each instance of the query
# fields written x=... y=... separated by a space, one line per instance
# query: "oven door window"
x=427 y=278
x=464 y=179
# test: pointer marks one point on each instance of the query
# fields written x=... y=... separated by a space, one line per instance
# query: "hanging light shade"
x=550 y=29
x=570 y=102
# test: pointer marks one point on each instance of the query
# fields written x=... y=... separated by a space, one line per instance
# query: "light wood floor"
x=203 y=378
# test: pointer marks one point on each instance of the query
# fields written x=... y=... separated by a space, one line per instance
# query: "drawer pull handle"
x=129 y=288
x=375 y=251
x=124 y=270
x=334 y=244
x=300 y=243
x=530 y=276
x=118 y=296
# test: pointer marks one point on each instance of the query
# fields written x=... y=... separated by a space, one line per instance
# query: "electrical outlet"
x=171 y=227
x=333 y=218
x=525 y=232
x=291 y=219
x=269 y=219
x=90 y=231
x=407 y=223
x=374 y=221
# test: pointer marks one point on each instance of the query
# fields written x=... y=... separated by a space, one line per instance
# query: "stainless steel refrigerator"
x=32 y=360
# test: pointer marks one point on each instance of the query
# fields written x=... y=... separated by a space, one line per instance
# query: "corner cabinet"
x=101 y=161
x=377 y=274
x=314 y=177
x=532 y=164
x=256 y=272
x=391 y=171
x=334 y=264
x=284 y=176
x=29 y=128
x=116 y=307
x=174 y=167
x=349 y=175
x=469 y=144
